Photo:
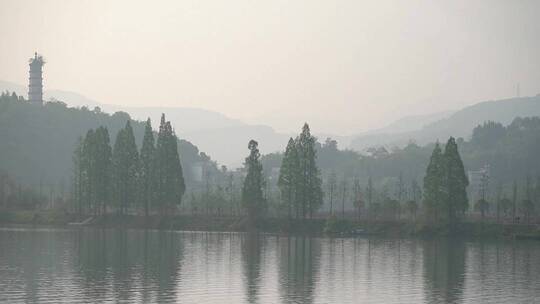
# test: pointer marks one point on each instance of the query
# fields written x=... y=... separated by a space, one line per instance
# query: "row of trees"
x=443 y=199
x=345 y=195
x=299 y=179
x=301 y=191
x=13 y=195
x=38 y=141
x=253 y=200
x=123 y=177
x=445 y=184
x=151 y=180
x=519 y=201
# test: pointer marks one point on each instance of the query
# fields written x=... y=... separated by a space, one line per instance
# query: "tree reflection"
x=444 y=270
x=91 y=260
x=251 y=259
x=299 y=263
x=145 y=261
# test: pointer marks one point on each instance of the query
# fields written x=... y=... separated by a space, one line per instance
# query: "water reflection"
x=298 y=267
x=444 y=270
x=96 y=265
x=251 y=260
x=132 y=265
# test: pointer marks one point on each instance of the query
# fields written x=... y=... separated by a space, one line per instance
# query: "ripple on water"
x=87 y=266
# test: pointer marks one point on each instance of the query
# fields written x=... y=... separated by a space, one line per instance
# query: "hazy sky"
x=345 y=66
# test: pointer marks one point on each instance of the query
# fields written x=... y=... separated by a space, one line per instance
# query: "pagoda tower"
x=35 y=85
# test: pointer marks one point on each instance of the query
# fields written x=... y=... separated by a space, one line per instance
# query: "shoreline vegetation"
x=118 y=183
x=332 y=227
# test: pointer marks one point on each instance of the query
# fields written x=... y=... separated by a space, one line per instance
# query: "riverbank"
x=331 y=227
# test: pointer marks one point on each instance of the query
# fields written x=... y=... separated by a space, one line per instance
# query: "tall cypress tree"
x=78 y=176
x=288 y=177
x=147 y=170
x=252 y=189
x=119 y=174
x=433 y=184
x=88 y=171
x=170 y=180
x=456 y=182
x=309 y=181
x=102 y=170
x=125 y=166
x=132 y=165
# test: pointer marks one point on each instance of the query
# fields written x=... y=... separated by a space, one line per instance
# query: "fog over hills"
x=411 y=123
x=457 y=124
x=185 y=119
x=225 y=139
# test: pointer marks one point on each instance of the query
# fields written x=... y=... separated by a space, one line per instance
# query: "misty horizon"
x=265 y=63
x=257 y=152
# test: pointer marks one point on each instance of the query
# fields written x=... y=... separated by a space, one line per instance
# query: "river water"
x=137 y=266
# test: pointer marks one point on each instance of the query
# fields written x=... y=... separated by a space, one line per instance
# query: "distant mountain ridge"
x=458 y=124
x=38 y=141
x=411 y=123
x=184 y=119
x=199 y=126
x=225 y=138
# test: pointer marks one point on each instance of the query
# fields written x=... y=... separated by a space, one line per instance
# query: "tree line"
x=39 y=140
x=445 y=184
x=119 y=177
x=122 y=178
x=14 y=195
x=444 y=196
x=299 y=179
x=151 y=180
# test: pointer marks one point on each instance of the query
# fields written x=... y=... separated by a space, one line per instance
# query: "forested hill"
x=37 y=142
x=511 y=152
x=458 y=124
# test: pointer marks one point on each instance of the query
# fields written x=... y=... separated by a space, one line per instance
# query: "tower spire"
x=35 y=83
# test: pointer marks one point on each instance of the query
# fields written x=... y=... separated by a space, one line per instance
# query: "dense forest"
x=121 y=178
x=511 y=153
x=111 y=163
x=38 y=141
